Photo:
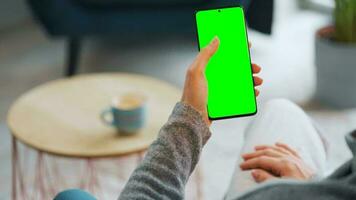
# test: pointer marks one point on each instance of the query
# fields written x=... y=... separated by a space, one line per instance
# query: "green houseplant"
x=335 y=57
x=345 y=21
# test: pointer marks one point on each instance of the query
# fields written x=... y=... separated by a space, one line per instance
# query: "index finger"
x=270 y=164
x=288 y=148
x=282 y=150
x=265 y=152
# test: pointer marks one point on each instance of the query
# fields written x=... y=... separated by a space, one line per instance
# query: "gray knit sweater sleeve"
x=171 y=159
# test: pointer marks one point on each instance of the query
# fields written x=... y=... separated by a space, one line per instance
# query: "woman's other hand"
x=276 y=161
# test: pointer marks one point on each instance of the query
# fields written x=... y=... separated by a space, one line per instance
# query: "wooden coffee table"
x=62 y=119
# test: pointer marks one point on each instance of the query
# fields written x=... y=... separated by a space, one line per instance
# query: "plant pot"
x=336 y=70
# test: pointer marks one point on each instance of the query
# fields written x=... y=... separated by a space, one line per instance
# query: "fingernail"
x=244 y=156
x=254 y=173
x=215 y=41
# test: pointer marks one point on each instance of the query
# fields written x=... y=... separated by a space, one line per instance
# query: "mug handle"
x=104 y=115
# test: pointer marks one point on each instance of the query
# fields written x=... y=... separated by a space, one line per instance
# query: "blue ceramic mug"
x=127 y=113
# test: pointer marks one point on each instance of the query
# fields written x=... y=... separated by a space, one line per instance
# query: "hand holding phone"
x=195 y=88
x=229 y=72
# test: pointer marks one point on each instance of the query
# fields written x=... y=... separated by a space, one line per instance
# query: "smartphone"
x=229 y=73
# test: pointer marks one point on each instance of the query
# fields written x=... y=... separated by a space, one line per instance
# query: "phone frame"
x=197 y=35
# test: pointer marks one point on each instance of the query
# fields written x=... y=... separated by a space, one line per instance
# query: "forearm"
x=170 y=160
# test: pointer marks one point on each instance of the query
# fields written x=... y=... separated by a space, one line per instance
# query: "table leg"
x=92 y=180
x=17 y=174
x=93 y=184
x=14 y=166
x=199 y=182
x=40 y=177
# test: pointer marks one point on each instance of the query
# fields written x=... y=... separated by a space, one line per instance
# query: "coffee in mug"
x=128 y=113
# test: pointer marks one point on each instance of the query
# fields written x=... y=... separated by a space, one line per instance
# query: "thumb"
x=261 y=175
x=207 y=52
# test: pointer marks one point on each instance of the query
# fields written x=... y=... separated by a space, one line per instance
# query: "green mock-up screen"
x=229 y=74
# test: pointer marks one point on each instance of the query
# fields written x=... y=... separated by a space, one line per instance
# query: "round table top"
x=62 y=117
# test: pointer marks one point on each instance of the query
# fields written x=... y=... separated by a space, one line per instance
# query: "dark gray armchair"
x=77 y=19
